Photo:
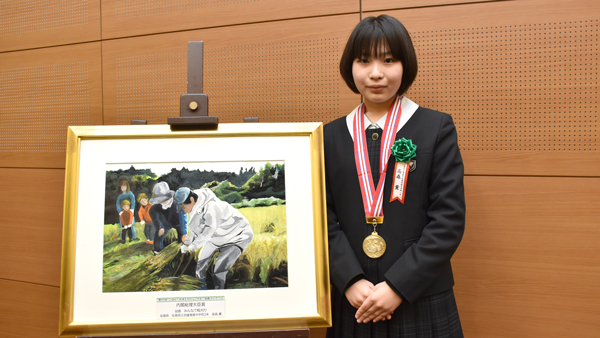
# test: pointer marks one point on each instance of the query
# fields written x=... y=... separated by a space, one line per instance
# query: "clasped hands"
x=374 y=302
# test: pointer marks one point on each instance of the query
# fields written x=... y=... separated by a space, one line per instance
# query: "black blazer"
x=422 y=234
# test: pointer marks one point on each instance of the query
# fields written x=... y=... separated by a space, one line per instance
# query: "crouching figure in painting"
x=215 y=226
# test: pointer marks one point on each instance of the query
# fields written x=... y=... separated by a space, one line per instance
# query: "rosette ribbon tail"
x=404 y=151
x=400 y=178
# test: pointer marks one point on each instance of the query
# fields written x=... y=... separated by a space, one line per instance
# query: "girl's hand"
x=380 y=305
x=358 y=292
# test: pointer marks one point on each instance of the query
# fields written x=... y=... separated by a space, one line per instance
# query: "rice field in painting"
x=133 y=267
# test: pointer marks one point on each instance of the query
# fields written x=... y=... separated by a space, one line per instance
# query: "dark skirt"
x=434 y=316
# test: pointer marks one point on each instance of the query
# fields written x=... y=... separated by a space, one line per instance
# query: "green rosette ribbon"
x=404 y=150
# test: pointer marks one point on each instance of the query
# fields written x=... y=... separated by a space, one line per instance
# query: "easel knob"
x=193 y=106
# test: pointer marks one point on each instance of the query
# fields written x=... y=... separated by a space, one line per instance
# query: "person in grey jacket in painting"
x=215 y=226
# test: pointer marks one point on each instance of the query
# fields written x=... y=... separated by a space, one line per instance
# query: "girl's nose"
x=376 y=73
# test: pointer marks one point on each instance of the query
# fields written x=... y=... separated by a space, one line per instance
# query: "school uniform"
x=421 y=235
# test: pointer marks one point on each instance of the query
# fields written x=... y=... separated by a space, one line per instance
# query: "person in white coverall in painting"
x=215 y=226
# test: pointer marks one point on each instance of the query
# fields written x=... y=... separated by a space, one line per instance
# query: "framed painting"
x=194 y=231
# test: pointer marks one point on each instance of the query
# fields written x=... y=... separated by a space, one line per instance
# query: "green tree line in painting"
x=233 y=188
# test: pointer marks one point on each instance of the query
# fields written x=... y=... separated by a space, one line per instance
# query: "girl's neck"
x=376 y=110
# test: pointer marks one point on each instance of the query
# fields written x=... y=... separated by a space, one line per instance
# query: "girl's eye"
x=389 y=60
x=363 y=60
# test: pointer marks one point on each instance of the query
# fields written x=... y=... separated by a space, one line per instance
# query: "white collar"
x=379 y=123
x=408 y=109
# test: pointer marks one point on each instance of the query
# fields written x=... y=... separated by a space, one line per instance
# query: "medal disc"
x=374 y=245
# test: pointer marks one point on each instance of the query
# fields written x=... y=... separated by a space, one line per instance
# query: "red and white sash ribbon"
x=373 y=198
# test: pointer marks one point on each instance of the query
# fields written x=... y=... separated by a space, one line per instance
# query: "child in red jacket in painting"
x=145 y=219
x=127 y=220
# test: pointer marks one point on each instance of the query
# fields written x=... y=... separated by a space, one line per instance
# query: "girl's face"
x=125 y=207
x=378 y=79
x=124 y=187
x=144 y=201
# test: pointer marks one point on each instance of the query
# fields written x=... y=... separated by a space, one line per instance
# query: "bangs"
x=373 y=41
x=370 y=45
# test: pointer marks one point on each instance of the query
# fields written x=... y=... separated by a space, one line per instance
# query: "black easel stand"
x=193 y=106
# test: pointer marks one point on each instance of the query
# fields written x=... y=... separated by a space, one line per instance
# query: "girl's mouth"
x=377 y=88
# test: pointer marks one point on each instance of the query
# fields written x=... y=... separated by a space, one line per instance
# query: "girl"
x=395 y=197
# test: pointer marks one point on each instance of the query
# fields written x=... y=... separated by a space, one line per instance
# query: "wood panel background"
x=40 y=23
x=42 y=92
x=529 y=263
x=122 y=18
x=277 y=71
x=520 y=79
x=378 y=5
x=522 y=88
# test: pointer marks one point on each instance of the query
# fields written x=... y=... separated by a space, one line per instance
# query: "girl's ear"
x=192 y=199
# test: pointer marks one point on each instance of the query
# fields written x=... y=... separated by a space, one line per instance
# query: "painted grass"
x=269 y=245
x=267 y=251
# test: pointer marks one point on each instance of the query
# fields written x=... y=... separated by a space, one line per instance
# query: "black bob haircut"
x=370 y=36
x=188 y=200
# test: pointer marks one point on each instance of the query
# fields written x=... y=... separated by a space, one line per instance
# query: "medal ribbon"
x=373 y=199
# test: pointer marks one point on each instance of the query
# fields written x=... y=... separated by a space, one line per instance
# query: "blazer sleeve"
x=344 y=267
x=424 y=261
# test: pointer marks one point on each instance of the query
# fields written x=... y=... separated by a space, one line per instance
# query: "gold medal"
x=374 y=245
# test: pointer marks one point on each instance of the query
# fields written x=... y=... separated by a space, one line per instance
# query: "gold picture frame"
x=86 y=310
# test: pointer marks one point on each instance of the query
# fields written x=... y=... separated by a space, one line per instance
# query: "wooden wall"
x=520 y=79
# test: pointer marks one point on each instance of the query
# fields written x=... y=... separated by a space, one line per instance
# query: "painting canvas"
x=182 y=231
x=238 y=241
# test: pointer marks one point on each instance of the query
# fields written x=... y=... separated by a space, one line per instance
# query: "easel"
x=193 y=106
x=193 y=111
